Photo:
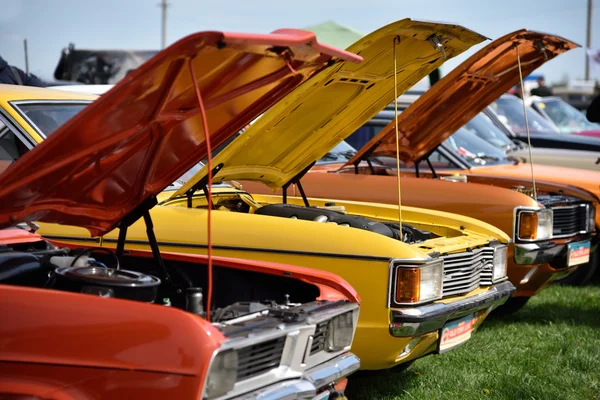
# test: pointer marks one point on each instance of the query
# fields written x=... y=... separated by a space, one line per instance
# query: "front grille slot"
x=467 y=271
x=259 y=358
x=569 y=220
x=318 y=343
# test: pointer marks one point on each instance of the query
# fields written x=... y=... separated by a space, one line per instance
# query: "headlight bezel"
x=591 y=218
x=350 y=318
x=426 y=266
x=500 y=252
x=214 y=366
x=541 y=214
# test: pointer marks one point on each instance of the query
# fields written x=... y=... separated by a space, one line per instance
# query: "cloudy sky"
x=50 y=26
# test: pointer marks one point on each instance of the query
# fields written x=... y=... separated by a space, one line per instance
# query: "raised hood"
x=145 y=132
x=330 y=106
x=455 y=99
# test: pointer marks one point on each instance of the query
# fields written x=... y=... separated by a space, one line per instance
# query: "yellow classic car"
x=425 y=285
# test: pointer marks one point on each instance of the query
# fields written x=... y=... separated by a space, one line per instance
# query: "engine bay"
x=238 y=295
x=244 y=203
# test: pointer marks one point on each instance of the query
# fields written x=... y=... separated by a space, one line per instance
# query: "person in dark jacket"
x=542 y=90
x=14 y=76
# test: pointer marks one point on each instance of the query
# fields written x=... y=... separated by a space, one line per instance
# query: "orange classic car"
x=544 y=248
x=89 y=323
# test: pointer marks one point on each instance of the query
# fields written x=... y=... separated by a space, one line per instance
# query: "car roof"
x=18 y=92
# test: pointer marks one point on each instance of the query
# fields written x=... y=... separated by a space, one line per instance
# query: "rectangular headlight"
x=419 y=283
x=499 y=263
x=222 y=374
x=340 y=331
x=534 y=224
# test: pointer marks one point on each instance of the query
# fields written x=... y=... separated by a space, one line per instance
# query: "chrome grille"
x=318 y=343
x=467 y=271
x=259 y=358
x=569 y=220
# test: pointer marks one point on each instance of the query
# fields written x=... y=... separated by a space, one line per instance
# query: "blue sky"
x=50 y=26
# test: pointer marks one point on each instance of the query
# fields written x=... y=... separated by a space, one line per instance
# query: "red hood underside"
x=147 y=131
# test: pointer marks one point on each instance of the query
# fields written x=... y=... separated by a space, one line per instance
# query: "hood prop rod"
x=296 y=180
x=435 y=175
x=142 y=210
x=394 y=44
x=526 y=121
x=366 y=156
x=201 y=184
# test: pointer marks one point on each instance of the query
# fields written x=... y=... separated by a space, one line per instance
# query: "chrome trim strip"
x=17 y=129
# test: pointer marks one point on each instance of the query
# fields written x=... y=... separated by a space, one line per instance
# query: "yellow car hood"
x=327 y=108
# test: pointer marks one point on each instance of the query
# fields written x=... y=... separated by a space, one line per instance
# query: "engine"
x=101 y=275
x=410 y=234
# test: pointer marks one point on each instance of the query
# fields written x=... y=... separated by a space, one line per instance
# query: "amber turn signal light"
x=528 y=224
x=408 y=285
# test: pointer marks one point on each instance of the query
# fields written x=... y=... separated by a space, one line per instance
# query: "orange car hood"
x=455 y=99
x=324 y=110
x=589 y=180
x=143 y=134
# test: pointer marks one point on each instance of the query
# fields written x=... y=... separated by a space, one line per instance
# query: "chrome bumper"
x=313 y=382
x=537 y=253
x=415 y=321
x=548 y=251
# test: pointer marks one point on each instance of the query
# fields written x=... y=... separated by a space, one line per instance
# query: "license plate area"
x=578 y=253
x=456 y=333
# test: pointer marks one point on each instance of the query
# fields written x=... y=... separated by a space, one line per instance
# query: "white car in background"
x=97 y=90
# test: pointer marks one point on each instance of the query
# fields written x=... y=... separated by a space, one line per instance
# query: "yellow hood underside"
x=327 y=108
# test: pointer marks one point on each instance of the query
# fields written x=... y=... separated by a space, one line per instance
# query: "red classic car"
x=83 y=323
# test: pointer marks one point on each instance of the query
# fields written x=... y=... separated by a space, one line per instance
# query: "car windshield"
x=474 y=150
x=510 y=111
x=339 y=154
x=482 y=126
x=565 y=116
x=48 y=117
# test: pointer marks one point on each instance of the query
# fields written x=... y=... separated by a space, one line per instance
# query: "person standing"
x=14 y=76
x=542 y=90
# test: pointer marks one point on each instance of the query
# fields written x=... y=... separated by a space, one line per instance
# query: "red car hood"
x=463 y=93
x=147 y=131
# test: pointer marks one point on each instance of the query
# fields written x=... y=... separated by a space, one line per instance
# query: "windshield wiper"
x=329 y=157
x=348 y=153
x=486 y=157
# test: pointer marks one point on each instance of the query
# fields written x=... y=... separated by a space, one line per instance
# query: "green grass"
x=550 y=349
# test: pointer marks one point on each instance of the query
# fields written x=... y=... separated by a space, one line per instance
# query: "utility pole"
x=26 y=56
x=588 y=40
x=163 y=38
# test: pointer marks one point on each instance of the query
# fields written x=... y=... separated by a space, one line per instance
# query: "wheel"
x=512 y=305
x=584 y=274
